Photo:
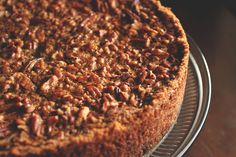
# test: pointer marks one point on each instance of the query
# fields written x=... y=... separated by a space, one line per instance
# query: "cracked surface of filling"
x=66 y=65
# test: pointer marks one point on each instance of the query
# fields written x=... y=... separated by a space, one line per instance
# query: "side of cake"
x=88 y=78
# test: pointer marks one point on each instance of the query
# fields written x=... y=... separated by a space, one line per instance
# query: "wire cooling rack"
x=194 y=108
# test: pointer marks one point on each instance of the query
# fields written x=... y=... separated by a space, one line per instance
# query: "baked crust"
x=143 y=129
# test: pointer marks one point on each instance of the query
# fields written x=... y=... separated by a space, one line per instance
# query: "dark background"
x=213 y=26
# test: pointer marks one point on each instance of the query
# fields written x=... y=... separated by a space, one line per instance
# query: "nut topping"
x=68 y=65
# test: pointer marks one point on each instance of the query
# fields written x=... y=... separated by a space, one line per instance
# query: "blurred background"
x=212 y=24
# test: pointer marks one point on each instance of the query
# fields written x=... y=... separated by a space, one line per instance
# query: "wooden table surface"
x=213 y=26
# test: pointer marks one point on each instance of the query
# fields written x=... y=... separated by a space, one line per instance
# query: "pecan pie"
x=88 y=77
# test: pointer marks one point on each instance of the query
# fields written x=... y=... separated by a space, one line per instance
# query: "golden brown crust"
x=144 y=129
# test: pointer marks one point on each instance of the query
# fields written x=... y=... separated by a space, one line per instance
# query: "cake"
x=88 y=77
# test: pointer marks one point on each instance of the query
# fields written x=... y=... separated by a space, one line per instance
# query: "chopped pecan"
x=170 y=37
x=141 y=76
x=121 y=95
x=61 y=94
x=108 y=102
x=151 y=31
x=4 y=130
x=161 y=69
x=83 y=112
x=89 y=20
x=57 y=55
x=133 y=101
x=70 y=76
x=94 y=91
x=175 y=68
x=61 y=135
x=26 y=83
x=124 y=87
x=113 y=47
x=100 y=5
x=136 y=5
x=160 y=53
x=95 y=78
x=114 y=6
x=40 y=65
x=28 y=106
x=49 y=84
x=36 y=124
x=144 y=16
x=160 y=30
x=166 y=63
x=148 y=42
x=52 y=120
x=124 y=96
x=130 y=16
x=112 y=36
x=40 y=35
x=101 y=32
x=58 y=72
x=5 y=68
x=82 y=78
